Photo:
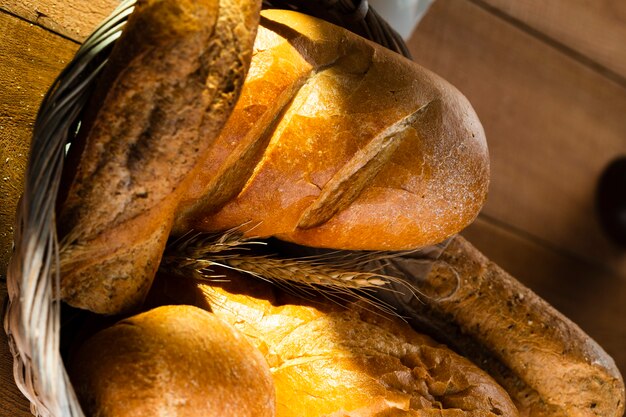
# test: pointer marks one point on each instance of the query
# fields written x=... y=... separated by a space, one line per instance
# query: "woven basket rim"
x=32 y=314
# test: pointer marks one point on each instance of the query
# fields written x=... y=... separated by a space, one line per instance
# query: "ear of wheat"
x=334 y=275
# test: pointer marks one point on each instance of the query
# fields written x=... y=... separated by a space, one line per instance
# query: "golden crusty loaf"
x=166 y=92
x=328 y=360
x=548 y=364
x=172 y=361
x=335 y=133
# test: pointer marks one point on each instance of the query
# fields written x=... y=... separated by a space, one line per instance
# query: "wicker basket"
x=32 y=318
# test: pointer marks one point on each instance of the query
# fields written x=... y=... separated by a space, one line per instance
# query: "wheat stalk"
x=334 y=274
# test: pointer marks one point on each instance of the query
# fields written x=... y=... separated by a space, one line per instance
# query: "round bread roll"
x=338 y=142
x=329 y=360
x=172 y=361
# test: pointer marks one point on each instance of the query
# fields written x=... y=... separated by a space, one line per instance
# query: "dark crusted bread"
x=548 y=364
x=168 y=88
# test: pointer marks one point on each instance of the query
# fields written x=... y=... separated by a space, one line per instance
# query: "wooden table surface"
x=547 y=79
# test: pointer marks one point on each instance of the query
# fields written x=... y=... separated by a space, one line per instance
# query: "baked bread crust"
x=172 y=361
x=333 y=133
x=168 y=88
x=329 y=360
x=549 y=366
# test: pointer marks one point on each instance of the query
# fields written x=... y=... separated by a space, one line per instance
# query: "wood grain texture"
x=12 y=402
x=590 y=296
x=594 y=29
x=74 y=19
x=552 y=123
x=30 y=60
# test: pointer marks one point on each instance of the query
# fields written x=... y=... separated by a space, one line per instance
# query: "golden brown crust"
x=548 y=364
x=172 y=361
x=170 y=84
x=327 y=360
x=365 y=137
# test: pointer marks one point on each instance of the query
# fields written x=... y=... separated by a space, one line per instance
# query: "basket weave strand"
x=32 y=316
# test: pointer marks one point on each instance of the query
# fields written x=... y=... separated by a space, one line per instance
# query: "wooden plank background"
x=552 y=124
x=30 y=60
x=594 y=31
x=73 y=19
x=547 y=79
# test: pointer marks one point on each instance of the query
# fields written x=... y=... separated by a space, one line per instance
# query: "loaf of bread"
x=548 y=364
x=172 y=361
x=339 y=142
x=332 y=360
x=167 y=89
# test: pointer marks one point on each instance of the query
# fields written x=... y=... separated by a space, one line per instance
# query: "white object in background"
x=402 y=15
